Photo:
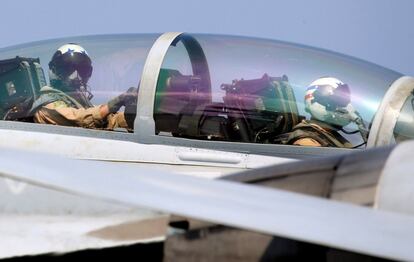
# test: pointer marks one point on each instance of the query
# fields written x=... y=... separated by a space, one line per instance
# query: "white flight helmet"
x=72 y=65
x=70 y=70
x=328 y=99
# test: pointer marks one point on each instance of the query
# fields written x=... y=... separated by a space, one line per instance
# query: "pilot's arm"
x=58 y=113
x=103 y=116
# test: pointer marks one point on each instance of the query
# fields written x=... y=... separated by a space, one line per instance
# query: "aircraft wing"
x=295 y=216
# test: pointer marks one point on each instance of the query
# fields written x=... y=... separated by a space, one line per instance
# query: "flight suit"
x=316 y=133
x=57 y=108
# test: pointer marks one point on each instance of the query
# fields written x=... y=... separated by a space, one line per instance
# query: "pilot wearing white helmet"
x=67 y=101
x=328 y=100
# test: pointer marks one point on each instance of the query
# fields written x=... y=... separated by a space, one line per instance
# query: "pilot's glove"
x=129 y=97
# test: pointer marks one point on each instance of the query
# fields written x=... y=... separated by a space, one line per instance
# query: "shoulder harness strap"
x=49 y=95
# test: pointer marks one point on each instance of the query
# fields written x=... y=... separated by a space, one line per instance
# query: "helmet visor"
x=340 y=97
x=71 y=62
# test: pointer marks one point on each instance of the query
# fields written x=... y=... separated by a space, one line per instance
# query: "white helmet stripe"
x=326 y=81
x=73 y=48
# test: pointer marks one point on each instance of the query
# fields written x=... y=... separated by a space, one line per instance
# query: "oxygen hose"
x=363 y=130
x=356 y=117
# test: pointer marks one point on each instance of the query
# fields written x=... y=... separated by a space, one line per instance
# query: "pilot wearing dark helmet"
x=328 y=100
x=67 y=101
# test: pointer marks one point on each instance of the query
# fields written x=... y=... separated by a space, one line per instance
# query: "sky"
x=378 y=31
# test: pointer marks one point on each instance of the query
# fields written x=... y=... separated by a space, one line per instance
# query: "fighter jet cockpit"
x=102 y=68
x=209 y=89
x=260 y=91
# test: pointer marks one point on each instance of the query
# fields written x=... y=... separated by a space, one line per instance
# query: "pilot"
x=328 y=100
x=67 y=101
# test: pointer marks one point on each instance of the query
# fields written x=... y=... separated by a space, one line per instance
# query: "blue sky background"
x=379 y=31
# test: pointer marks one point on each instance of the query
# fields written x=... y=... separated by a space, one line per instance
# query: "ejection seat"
x=260 y=110
x=177 y=98
x=20 y=82
x=183 y=107
x=256 y=111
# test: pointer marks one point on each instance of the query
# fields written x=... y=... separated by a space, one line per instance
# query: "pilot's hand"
x=129 y=97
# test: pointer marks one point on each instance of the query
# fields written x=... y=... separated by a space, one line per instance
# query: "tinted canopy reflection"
x=258 y=89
